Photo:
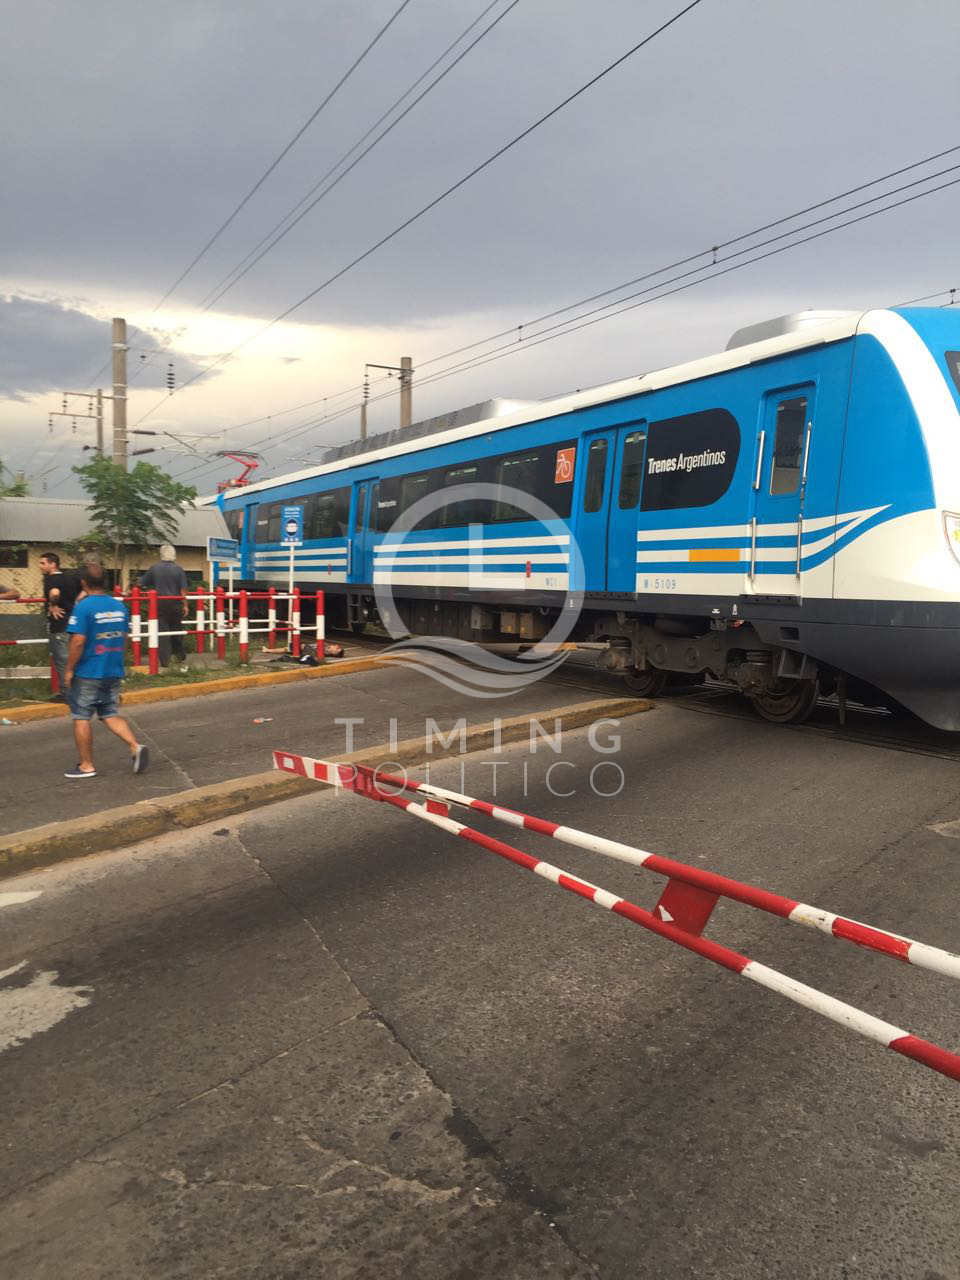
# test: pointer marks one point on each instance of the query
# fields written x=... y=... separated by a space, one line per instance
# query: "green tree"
x=132 y=509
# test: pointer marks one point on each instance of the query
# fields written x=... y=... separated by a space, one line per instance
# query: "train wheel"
x=647 y=683
x=788 y=701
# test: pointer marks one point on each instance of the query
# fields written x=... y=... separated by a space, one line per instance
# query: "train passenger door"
x=360 y=540
x=631 y=443
x=780 y=481
x=606 y=522
x=591 y=518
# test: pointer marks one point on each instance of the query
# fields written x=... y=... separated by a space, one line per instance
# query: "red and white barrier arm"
x=709 y=882
x=366 y=782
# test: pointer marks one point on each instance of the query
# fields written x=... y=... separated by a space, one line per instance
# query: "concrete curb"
x=128 y=824
x=174 y=692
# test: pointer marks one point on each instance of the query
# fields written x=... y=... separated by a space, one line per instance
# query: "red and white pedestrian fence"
x=684 y=907
x=211 y=617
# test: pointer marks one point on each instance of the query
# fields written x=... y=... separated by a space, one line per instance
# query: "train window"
x=327 y=514
x=631 y=470
x=953 y=364
x=361 y=503
x=412 y=489
x=788 y=445
x=268 y=522
x=596 y=474
x=234 y=522
x=521 y=471
x=467 y=510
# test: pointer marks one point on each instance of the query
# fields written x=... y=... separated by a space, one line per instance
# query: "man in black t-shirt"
x=60 y=591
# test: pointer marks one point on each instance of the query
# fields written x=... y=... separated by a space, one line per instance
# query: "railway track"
x=870 y=726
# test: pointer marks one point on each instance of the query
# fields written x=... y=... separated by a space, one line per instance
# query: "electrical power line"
x=298 y=428
x=285 y=151
x=432 y=204
x=236 y=273
x=294 y=216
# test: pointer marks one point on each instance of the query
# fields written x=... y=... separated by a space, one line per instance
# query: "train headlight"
x=951 y=527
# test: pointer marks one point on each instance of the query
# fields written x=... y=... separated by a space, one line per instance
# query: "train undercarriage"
x=648 y=651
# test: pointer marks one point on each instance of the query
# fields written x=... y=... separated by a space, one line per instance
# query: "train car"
x=784 y=515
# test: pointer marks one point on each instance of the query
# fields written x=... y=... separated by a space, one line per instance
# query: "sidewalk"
x=215 y=738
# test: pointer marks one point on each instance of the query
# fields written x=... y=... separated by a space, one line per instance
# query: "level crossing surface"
x=320 y=1038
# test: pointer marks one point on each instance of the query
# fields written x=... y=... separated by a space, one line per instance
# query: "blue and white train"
x=784 y=515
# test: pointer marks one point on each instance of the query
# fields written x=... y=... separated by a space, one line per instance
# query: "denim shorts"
x=89 y=696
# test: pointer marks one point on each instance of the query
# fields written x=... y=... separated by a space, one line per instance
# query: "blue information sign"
x=223 y=550
x=291 y=526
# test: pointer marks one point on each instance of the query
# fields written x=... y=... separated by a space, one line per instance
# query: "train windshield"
x=953 y=364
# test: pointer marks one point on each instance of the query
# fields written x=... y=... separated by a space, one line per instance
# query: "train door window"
x=788 y=446
x=596 y=474
x=522 y=471
x=374 y=505
x=361 y=503
x=234 y=522
x=631 y=470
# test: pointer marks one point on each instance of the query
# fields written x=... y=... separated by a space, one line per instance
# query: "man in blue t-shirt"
x=98 y=636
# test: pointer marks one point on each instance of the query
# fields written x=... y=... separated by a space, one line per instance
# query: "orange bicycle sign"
x=565 y=461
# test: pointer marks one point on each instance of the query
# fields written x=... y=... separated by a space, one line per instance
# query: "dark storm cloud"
x=46 y=345
x=737 y=115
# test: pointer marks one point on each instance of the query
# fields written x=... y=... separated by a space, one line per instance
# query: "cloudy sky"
x=134 y=130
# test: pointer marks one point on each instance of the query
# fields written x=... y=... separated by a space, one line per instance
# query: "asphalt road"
x=326 y=1040
x=196 y=741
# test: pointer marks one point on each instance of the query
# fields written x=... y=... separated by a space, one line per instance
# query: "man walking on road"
x=60 y=591
x=168 y=579
x=98 y=633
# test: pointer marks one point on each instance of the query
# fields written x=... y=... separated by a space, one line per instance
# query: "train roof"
x=789 y=333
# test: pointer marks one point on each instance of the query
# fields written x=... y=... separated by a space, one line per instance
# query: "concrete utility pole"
x=406 y=391
x=405 y=370
x=120 y=392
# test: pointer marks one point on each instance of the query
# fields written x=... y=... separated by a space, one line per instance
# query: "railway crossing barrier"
x=684 y=906
x=217 y=615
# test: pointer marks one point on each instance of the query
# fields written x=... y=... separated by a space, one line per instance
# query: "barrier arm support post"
x=244 y=622
x=201 y=621
x=321 y=628
x=153 y=634
x=271 y=617
x=221 y=626
x=295 y=622
x=136 y=632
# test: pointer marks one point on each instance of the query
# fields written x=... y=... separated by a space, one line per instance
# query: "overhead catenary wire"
x=281 y=155
x=437 y=200
x=705 y=272
x=527 y=325
x=294 y=215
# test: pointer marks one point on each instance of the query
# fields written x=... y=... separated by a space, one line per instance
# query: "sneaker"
x=77 y=772
x=141 y=760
